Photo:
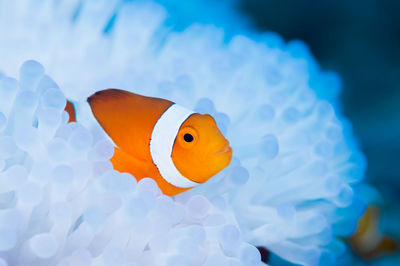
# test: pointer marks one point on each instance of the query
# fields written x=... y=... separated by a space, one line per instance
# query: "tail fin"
x=70 y=109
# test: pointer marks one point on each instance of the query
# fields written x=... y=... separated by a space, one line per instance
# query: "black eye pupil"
x=188 y=137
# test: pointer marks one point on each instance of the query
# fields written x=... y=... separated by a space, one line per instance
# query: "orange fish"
x=368 y=241
x=157 y=138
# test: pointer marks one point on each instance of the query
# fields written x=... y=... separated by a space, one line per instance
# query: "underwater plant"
x=289 y=188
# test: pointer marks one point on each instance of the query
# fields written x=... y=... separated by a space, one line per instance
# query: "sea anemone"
x=289 y=188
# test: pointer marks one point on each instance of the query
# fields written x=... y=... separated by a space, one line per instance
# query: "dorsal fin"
x=128 y=118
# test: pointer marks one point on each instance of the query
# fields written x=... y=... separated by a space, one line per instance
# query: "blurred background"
x=358 y=39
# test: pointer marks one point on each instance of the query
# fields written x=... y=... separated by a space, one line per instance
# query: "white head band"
x=162 y=141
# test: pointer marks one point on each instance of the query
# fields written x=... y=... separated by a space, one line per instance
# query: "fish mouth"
x=226 y=149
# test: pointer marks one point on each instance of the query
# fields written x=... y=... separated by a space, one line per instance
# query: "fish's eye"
x=188 y=137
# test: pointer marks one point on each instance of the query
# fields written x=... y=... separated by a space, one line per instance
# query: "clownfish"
x=157 y=138
x=368 y=241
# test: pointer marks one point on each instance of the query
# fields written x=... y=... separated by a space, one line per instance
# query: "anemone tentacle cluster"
x=290 y=187
x=63 y=204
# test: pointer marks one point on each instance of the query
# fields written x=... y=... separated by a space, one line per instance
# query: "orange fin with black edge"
x=69 y=108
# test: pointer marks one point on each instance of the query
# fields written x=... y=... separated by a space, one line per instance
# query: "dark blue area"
x=360 y=40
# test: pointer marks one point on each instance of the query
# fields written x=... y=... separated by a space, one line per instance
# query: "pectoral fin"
x=125 y=163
